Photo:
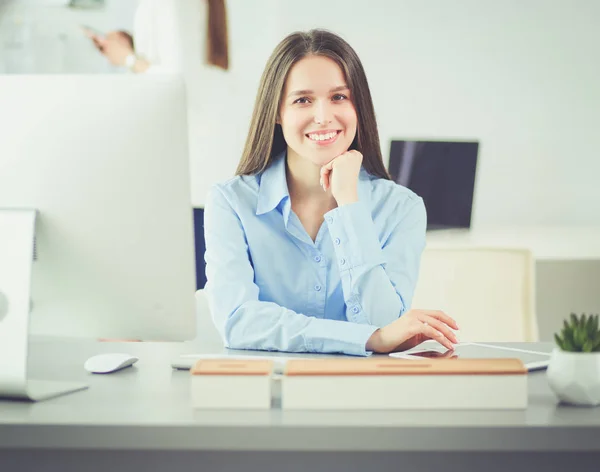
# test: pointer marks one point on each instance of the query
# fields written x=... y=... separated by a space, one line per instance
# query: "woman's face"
x=317 y=116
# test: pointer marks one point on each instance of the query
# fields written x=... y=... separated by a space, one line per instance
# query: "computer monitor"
x=101 y=162
x=442 y=173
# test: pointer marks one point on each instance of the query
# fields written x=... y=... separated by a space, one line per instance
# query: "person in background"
x=312 y=247
x=156 y=45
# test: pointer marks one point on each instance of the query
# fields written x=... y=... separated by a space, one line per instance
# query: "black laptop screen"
x=442 y=173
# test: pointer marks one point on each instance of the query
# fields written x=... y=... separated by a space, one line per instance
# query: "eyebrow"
x=308 y=92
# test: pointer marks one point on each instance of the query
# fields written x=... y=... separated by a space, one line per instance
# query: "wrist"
x=346 y=199
x=374 y=341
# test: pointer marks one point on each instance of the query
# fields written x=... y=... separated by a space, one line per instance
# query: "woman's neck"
x=303 y=179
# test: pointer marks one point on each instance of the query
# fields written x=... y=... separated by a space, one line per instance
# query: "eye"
x=338 y=97
x=301 y=100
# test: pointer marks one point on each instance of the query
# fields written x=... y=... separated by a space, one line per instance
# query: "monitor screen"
x=442 y=173
x=104 y=162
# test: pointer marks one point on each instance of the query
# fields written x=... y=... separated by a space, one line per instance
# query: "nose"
x=323 y=114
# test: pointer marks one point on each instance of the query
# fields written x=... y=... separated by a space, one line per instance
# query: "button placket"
x=318 y=288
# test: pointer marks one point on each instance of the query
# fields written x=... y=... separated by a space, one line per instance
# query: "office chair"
x=488 y=291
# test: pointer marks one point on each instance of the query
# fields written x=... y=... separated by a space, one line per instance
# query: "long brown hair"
x=217 y=44
x=265 y=137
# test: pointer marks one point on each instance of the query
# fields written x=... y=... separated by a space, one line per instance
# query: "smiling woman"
x=311 y=247
x=292 y=87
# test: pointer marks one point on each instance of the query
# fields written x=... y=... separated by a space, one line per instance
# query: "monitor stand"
x=17 y=230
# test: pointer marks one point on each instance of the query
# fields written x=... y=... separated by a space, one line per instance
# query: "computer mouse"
x=108 y=363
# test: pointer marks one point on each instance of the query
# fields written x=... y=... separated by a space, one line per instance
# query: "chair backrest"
x=488 y=291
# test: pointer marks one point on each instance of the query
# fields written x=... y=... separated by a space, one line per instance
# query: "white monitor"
x=102 y=161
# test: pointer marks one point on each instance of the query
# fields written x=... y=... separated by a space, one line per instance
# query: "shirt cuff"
x=354 y=236
x=350 y=338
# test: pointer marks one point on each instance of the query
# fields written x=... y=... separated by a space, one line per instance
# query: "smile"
x=323 y=138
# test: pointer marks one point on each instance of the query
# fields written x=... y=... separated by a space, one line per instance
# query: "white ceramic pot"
x=574 y=377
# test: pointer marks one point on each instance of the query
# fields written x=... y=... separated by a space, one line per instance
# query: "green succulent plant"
x=579 y=334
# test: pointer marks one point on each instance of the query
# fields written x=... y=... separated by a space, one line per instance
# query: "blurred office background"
x=518 y=77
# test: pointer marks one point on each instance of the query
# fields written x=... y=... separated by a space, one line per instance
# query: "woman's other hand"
x=411 y=329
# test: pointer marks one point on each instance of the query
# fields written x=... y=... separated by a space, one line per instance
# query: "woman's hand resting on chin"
x=341 y=175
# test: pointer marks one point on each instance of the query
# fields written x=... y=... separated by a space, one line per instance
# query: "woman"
x=156 y=45
x=311 y=247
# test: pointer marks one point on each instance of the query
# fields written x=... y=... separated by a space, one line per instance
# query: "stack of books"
x=233 y=384
x=381 y=384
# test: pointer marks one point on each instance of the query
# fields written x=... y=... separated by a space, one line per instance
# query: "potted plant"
x=574 y=370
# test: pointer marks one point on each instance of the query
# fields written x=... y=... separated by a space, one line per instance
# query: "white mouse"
x=107 y=363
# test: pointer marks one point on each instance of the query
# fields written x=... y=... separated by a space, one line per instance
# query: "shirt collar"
x=273 y=186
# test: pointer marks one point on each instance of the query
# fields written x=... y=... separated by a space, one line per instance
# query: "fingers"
x=441 y=327
x=327 y=169
x=440 y=315
x=433 y=333
x=326 y=174
x=324 y=180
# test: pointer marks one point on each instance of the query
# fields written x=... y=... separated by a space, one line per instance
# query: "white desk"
x=140 y=419
x=567 y=265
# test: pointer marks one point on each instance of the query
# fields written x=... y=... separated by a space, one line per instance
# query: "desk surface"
x=147 y=407
x=546 y=242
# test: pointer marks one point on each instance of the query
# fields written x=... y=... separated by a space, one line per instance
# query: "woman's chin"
x=323 y=157
x=320 y=161
x=320 y=157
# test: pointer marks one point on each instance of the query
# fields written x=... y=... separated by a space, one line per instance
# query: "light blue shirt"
x=270 y=287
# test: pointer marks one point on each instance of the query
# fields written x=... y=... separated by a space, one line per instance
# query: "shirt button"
x=318 y=288
x=317 y=258
x=337 y=241
x=355 y=310
x=329 y=219
x=342 y=261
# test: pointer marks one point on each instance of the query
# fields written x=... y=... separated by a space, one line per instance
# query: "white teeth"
x=321 y=137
